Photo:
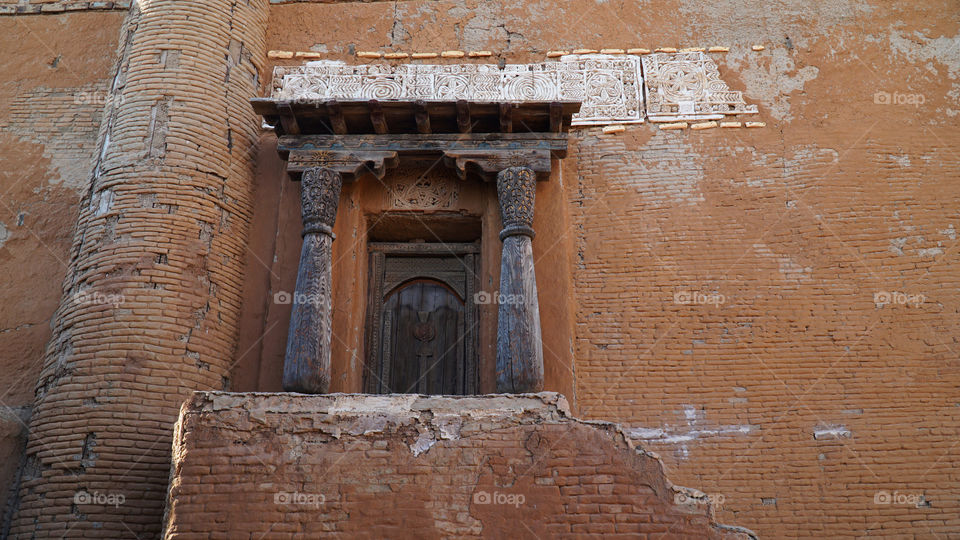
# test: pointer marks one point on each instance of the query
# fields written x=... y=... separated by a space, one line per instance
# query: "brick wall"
x=51 y=102
x=799 y=397
x=151 y=301
x=347 y=466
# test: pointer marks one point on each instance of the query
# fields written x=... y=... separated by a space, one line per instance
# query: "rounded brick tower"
x=151 y=302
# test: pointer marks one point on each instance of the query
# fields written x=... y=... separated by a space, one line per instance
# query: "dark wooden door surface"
x=423 y=339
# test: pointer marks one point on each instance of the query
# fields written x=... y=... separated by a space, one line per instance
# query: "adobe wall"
x=787 y=385
x=52 y=94
x=406 y=466
x=150 y=303
x=798 y=398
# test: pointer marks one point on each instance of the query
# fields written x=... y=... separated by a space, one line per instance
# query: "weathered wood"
x=556 y=117
x=288 y=120
x=377 y=118
x=519 y=342
x=422 y=117
x=306 y=366
x=506 y=117
x=405 y=282
x=463 y=116
x=483 y=154
x=488 y=163
x=350 y=164
x=427 y=144
x=337 y=121
x=446 y=116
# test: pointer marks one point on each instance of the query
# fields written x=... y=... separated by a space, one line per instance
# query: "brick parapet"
x=412 y=466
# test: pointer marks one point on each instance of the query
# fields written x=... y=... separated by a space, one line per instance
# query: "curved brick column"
x=152 y=298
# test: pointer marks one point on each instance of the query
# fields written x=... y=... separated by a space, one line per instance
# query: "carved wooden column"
x=306 y=367
x=519 y=346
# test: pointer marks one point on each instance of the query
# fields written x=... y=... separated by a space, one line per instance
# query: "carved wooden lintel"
x=484 y=154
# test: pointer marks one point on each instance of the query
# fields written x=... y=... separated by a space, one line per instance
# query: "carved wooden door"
x=423 y=338
x=421 y=319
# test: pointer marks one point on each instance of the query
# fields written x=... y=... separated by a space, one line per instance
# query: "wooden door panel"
x=425 y=345
x=422 y=319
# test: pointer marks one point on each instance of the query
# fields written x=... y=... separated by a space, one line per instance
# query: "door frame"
x=378 y=253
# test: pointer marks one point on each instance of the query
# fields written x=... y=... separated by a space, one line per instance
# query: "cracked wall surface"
x=793 y=285
x=773 y=311
x=150 y=304
x=52 y=96
x=410 y=466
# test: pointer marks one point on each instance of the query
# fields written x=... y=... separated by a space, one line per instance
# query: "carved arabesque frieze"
x=687 y=86
x=608 y=86
x=430 y=190
x=679 y=86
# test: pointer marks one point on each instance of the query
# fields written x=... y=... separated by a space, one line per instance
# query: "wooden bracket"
x=487 y=164
x=350 y=164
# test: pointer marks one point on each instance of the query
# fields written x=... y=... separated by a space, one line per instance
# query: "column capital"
x=319 y=197
x=516 y=189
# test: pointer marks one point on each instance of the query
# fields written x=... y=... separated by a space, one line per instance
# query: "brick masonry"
x=280 y=466
x=152 y=297
x=799 y=398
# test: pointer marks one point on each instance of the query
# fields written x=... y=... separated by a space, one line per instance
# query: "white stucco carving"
x=687 y=86
x=681 y=86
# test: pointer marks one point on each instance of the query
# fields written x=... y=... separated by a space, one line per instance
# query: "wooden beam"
x=506 y=117
x=463 y=116
x=556 y=117
x=337 y=122
x=422 y=117
x=428 y=145
x=377 y=118
x=288 y=121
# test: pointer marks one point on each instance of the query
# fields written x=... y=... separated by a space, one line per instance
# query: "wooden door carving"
x=422 y=319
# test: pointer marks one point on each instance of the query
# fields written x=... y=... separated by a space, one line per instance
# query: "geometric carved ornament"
x=430 y=190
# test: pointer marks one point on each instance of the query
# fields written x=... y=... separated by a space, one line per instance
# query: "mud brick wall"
x=52 y=95
x=152 y=296
x=404 y=466
x=773 y=311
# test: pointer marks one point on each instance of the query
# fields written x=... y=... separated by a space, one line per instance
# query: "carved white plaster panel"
x=679 y=86
x=433 y=190
x=609 y=87
x=687 y=86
